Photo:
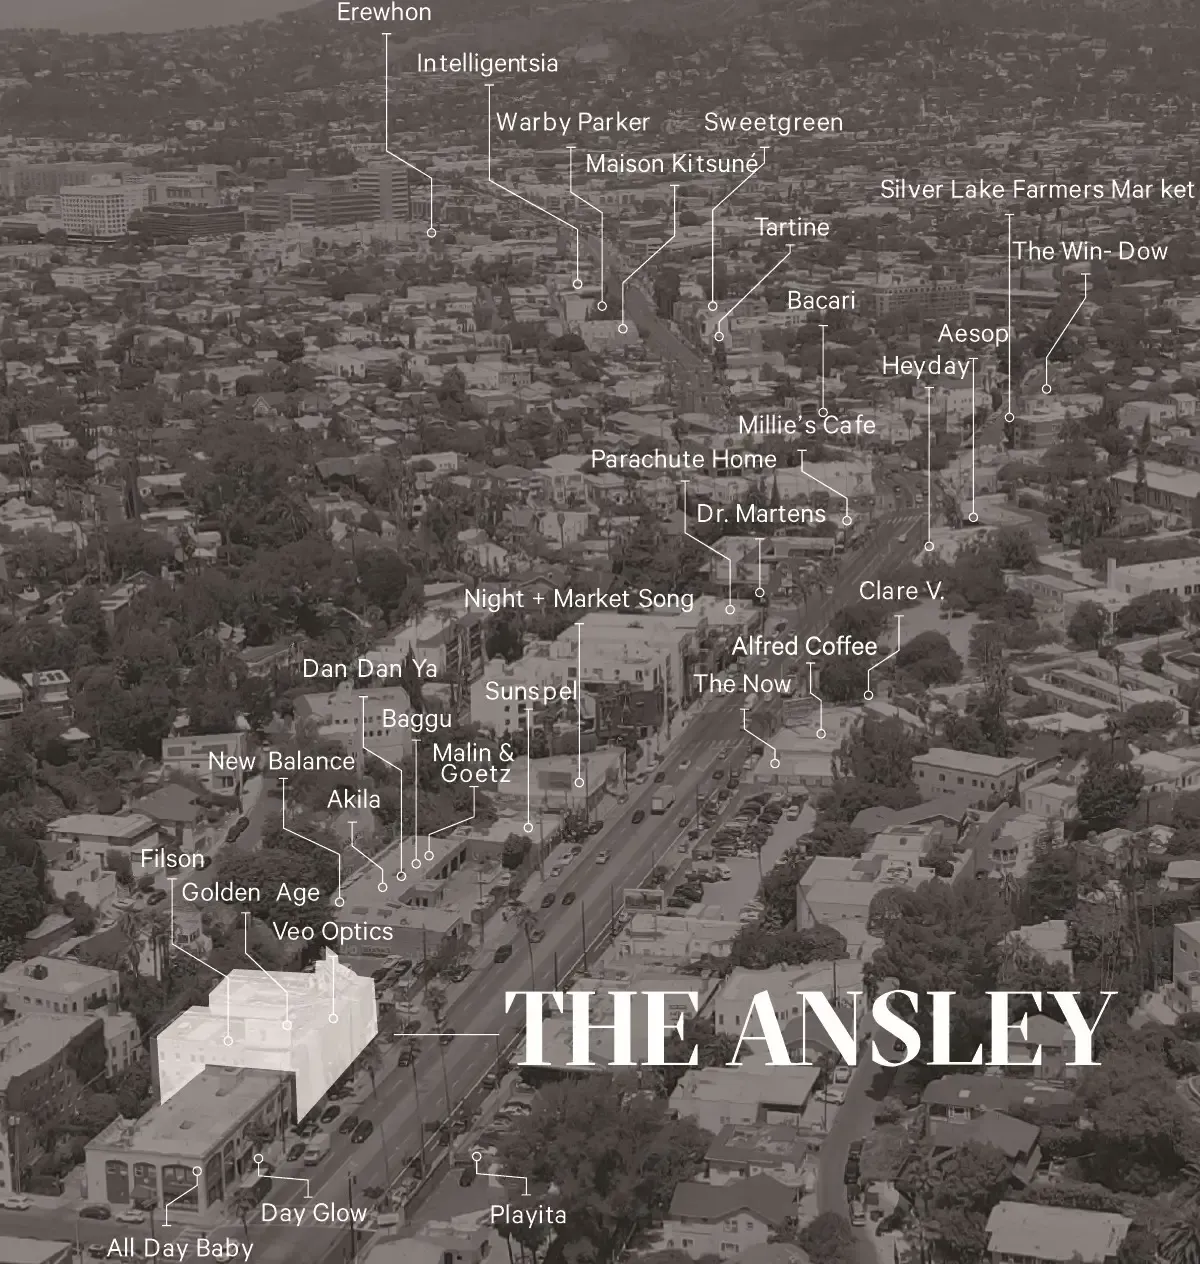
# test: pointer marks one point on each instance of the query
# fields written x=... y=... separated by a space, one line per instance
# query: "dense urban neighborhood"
x=675 y=499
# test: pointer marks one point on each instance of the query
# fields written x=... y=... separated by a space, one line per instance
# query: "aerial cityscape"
x=600 y=632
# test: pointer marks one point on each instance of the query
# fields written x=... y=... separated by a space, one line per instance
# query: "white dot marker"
x=928 y=546
x=431 y=232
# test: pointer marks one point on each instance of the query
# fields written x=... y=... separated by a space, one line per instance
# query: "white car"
x=832 y=1094
x=602 y=857
x=131 y=1215
x=684 y=765
x=17 y=1202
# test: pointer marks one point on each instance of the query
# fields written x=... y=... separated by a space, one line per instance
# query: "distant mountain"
x=96 y=17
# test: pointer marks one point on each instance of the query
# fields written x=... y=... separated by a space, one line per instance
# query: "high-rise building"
x=389 y=181
x=100 y=211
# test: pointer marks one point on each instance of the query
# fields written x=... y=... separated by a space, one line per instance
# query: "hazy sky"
x=138 y=15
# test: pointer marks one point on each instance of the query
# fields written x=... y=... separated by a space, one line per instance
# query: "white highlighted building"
x=313 y=1025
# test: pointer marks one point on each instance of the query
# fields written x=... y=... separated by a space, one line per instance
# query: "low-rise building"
x=220 y=761
x=47 y=1063
x=212 y=1123
x=1027 y=1233
x=728 y=1219
x=944 y=771
x=52 y=985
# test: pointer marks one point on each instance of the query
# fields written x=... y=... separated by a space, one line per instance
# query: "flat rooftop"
x=197 y=1118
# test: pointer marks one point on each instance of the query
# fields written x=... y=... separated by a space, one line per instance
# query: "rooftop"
x=128 y=827
x=195 y=1119
x=1055 y=1233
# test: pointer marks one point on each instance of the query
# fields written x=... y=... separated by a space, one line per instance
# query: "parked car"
x=467 y=1176
x=684 y=822
x=568 y=898
x=536 y=935
x=833 y=1094
x=348 y=1124
x=602 y=857
x=446 y=1035
x=295 y=1152
x=502 y=953
x=407 y=1058
x=548 y=899
x=238 y=828
x=639 y=816
x=594 y=827
x=330 y=1113
x=96 y=1211
x=362 y=1132
x=458 y=971
x=660 y=776
x=17 y=1202
x=156 y=897
x=718 y=773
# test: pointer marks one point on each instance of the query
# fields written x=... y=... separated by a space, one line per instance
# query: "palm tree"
x=242 y=1204
x=1180 y=1241
x=370 y=1062
x=436 y=999
x=130 y=926
x=527 y=921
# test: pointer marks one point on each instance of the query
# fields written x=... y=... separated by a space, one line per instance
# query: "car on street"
x=362 y=1132
x=841 y=1075
x=502 y=953
x=718 y=773
x=548 y=899
x=330 y=1113
x=467 y=1176
x=684 y=821
x=156 y=897
x=536 y=935
x=684 y=765
x=639 y=816
x=96 y=1211
x=295 y=1152
x=348 y=1124
x=446 y=1035
x=568 y=898
x=16 y=1202
x=833 y=1094
x=458 y=971
x=660 y=776
x=595 y=827
x=406 y=1059
x=858 y=1215
x=602 y=857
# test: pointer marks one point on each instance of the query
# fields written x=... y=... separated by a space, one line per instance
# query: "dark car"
x=348 y=1124
x=569 y=898
x=330 y=1113
x=238 y=828
x=446 y=1035
x=684 y=821
x=660 y=776
x=595 y=827
x=489 y=1081
x=467 y=1176
x=96 y=1212
x=502 y=953
x=296 y=1151
x=406 y=1059
x=548 y=899
x=639 y=816
x=308 y=1128
x=536 y=935
x=718 y=773
x=156 y=897
x=362 y=1132
x=458 y=972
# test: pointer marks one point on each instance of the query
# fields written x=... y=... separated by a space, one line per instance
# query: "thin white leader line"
x=513 y=193
x=355 y=847
x=196 y=1171
x=646 y=260
x=387 y=139
x=774 y=750
x=1067 y=326
x=571 y=189
x=683 y=482
x=874 y=666
x=288 y=830
x=578 y=699
x=401 y=876
x=477 y=1157
x=718 y=335
x=712 y=257
x=832 y=490
x=929 y=464
x=528 y=769
x=416 y=860
x=973 y=514
x=820 y=704
x=441 y=829
x=299 y=1180
x=287 y=999
x=824 y=410
x=1010 y=310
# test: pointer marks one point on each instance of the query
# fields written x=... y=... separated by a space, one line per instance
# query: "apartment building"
x=47 y=1063
x=217 y=760
x=945 y=771
x=50 y=985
